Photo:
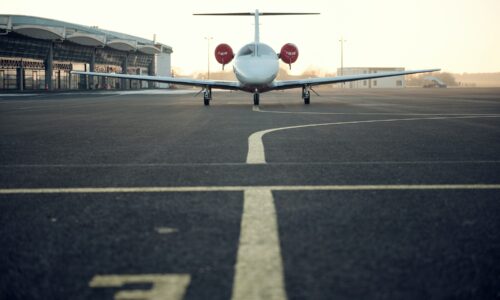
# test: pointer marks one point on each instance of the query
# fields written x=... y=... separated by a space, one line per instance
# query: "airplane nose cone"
x=256 y=70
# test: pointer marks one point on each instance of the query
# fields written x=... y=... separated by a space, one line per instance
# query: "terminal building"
x=38 y=54
x=388 y=82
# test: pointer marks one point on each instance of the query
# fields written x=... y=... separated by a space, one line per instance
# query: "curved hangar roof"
x=48 y=29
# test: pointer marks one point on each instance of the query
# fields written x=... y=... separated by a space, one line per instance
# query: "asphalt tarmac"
x=364 y=194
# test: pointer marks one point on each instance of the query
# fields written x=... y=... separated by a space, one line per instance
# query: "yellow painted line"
x=229 y=164
x=259 y=265
x=367 y=114
x=89 y=190
x=390 y=187
x=256 y=153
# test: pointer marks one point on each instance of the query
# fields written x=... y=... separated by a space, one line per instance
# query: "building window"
x=399 y=83
x=374 y=83
x=9 y=79
x=364 y=82
x=29 y=79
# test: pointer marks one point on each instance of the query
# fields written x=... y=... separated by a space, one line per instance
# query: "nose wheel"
x=256 y=98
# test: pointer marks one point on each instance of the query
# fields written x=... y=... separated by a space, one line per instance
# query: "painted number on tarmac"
x=165 y=286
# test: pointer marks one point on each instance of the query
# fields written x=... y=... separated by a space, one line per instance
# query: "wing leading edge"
x=219 y=84
x=289 y=84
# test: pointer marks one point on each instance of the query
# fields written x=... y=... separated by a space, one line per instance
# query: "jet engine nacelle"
x=289 y=54
x=224 y=54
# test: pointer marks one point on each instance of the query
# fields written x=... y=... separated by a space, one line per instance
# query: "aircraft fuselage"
x=256 y=66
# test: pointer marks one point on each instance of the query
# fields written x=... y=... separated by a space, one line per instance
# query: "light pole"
x=342 y=56
x=208 y=38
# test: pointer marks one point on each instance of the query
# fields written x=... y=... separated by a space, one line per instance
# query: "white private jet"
x=256 y=66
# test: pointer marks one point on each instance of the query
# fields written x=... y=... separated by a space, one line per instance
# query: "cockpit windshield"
x=262 y=49
x=247 y=50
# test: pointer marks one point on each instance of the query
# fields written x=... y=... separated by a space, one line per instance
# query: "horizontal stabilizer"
x=260 y=14
x=257 y=14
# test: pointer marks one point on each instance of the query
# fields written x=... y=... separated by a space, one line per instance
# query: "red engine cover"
x=224 y=54
x=289 y=53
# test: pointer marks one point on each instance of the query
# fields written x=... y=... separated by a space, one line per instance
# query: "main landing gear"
x=306 y=95
x=207 y=96
x=256 y=98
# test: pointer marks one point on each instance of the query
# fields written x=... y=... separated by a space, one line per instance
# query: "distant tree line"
x=283 y=74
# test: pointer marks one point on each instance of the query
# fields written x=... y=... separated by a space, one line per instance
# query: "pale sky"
x=454 y=35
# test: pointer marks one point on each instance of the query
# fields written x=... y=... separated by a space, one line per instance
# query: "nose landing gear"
x=256 y=98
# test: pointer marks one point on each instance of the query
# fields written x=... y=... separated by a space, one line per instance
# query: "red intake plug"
x=289 y=54
x=224 y=54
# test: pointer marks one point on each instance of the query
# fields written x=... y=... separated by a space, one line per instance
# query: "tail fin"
x=256 y=14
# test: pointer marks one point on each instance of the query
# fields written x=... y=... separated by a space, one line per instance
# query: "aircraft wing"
x=220 y=84
x=289 y=84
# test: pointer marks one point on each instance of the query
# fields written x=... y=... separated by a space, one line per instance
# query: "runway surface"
x=364 y=194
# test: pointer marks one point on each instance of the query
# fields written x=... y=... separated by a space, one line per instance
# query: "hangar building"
x=388 y=82
x=38 y=54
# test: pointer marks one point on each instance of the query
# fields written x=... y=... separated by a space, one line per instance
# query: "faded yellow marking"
x=166 y=230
